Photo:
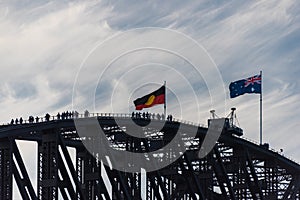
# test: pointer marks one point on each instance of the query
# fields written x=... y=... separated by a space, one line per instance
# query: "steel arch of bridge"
x=235 y=169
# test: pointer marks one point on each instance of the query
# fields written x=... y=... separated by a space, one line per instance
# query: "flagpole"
x=260 y=139
x=165 y=104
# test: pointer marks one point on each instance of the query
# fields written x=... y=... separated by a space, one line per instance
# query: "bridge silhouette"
x=236 y=168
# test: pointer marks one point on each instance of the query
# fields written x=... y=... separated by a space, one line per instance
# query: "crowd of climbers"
x=75 y=114
x=67 y=115
x=32 y=119
x=146 y=115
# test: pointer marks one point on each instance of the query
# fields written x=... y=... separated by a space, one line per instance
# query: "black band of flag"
x=149 y=100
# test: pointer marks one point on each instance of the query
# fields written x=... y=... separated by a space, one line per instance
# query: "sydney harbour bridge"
x=236 y=168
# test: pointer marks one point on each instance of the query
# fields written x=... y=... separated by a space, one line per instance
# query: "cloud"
x=43 y=45
x=42 y=52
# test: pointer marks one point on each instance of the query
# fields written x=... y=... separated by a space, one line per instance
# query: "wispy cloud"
x=44 y=44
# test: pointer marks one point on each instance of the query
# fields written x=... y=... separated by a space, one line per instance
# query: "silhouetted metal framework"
x=235 y=169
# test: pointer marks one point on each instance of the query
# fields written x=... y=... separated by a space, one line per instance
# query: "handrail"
x=39 y=119
x=128 y=115
x=270 y=149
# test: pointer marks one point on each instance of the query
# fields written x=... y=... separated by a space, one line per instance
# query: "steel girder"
x=235 y=169
x=6 y=169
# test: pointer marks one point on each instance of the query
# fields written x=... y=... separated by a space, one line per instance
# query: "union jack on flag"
x=248 y=85
x=253 y=80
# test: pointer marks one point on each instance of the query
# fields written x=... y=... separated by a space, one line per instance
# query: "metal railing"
x=270 y=149
x=72 y=115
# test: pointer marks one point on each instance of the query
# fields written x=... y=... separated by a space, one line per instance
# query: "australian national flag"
x=248 y=85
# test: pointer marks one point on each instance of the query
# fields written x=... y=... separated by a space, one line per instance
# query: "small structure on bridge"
x=230 y=126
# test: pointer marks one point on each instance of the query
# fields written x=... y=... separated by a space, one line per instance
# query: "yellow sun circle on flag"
x=150 y=100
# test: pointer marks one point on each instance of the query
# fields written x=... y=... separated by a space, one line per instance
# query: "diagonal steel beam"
x=293 y=188
x=195 y=179
x=70 y=166
x=115 y=174
x=66 y=182
x=224 y=172
x=289 y=189
x=218 y=172
x=184 y=172
x=102 y=186
x=155 y=187
x=296 y=188
x=62 y=191
x=157 y=173
x=25 y=182
x=254 y=175
x=248 y=179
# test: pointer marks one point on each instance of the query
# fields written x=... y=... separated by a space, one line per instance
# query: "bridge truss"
x=235 y=168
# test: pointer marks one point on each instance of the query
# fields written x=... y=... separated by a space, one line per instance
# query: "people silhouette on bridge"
x=47 y=117
x=86 y=113
x=76 y=114
x=63 y=115
x=58 y=116
x=158 y=116
x=139 y=115
x=31 y=119
x=152 y=115
x=170 y=118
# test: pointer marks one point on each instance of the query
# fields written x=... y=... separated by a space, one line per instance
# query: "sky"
x=54 y=51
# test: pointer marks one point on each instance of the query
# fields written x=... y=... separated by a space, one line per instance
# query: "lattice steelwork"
x=235 y=168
